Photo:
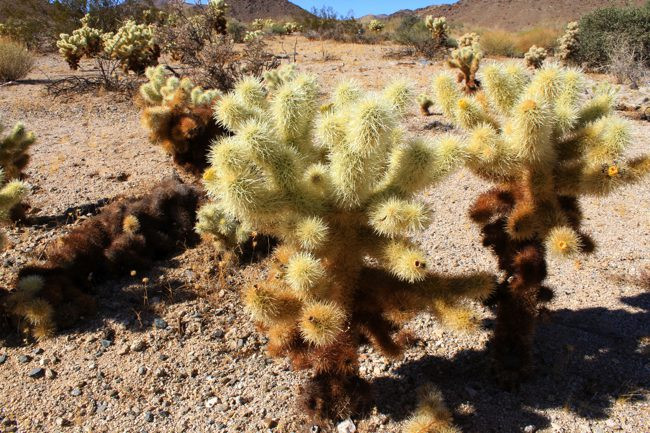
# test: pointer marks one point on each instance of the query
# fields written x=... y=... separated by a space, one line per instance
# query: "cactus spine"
x=544 y=145
x=336 y=185
x=179 y=115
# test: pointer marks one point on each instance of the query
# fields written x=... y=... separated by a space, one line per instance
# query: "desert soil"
x=180 y=355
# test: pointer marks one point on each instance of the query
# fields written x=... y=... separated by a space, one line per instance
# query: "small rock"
x=161 y=372
x=76 y=392
x=105 y=343
x=211 y=402
x=50 y=374
x=271 y=423
x=530 y=429
x=163 y=357
x=598 y=429
x=38 y=351
x=142 y=370
x=218 y=334
x=138 y=346
x=346 y=426
x=159 y=323
x=62 y=422
x=24 y=359
x=123 y=350
x=3 y=358
x=148 y=416
x=36 y=373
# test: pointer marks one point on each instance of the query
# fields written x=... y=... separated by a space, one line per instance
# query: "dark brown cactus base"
x=328 y=397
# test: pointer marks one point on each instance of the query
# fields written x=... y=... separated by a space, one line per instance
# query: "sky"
x=365 y=7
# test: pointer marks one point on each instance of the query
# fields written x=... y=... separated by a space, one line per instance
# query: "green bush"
x=413 y=33
x=15 y=60
x=236 y=30
x=601 y=26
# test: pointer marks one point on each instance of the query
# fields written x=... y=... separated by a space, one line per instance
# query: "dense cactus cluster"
x=468 y=40
x=439 y=28
x=337 y=186
x=179 y=116
x=535 y=57
x=13 y=160
x=376 y=26
x=544 y=145
x=11 y=194
x=85 y=41
x=568 y=43
x=125 y=236
x=216 y=16
x=467 y=61
x=291 y=27
x=134 y=45
x=253 y=35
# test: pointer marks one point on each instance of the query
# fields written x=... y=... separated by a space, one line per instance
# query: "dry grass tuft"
x=15 y=60
x=516 y=44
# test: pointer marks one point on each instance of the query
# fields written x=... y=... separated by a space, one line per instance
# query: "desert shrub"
x=535 y=57
x=338 y=186
x=236 y=30
x=15 y=60
x=413 y=32
x=543 y=144
x=599 y=27
x=375 y=26
x=127 y=235
x=327 y=24
x=627 y=63
x=516 y=44
x=25 y=31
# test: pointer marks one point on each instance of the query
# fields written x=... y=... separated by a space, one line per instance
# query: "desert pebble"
x=3 y=358
x=36 y=373
x=159 y=323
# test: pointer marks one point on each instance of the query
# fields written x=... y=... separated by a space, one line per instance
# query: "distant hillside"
x=248 y=10
x=515 y=14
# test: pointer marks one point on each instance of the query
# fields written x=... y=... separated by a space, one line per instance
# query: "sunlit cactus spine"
x=337 y=185
x=535 y=57
x=83 y=42
x=13 y=151
x=568 y=44
x=376 y=26
x=275 y=78
x=134 y=45
x=179 y=115
x=467 y=60
x=439 y=29
x=431 y=414
x=253 y=35
x=291 y=27
x=544 y=144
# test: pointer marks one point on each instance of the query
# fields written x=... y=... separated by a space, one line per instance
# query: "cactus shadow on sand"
x=587 y=361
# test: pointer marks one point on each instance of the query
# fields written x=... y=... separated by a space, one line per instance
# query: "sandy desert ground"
x=179 y=354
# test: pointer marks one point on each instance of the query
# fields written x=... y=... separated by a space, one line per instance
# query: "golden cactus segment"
x=131 y=224
x=303 y=274
x=321 y=322
x=564 y=242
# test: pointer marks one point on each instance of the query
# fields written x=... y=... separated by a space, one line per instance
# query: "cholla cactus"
x=468 y=40
x=544 y=145
x=13 y=151
x=535 y=57
x=431 y=415
x=292 y=27
x=438 y=28
x=337 y=186
x=128 y=234
x=83 y=42
x=134 y=45
x=11 y=194
x=179 y=115
x=217 y=16
x=425 y=103
x=376 y=26
x=467 y=61
x=255 y=34
x=568 y=43
x=275 y=78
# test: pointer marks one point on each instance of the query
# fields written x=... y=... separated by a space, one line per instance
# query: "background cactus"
x=217 y=16
x=425 y=103
x=13 y=160
x=337 y=186
x=467 y=60
x=535 y=57
x=179 y=116
x=439 y=29
x=11 y=194
x=544 y=145
x=568 y=44
x=292 y=27
x=431 y=415
x=128 y=234
x=252 y=35
x=468 y=40
x=83 y=42
x=376 y=26
x=134 y=45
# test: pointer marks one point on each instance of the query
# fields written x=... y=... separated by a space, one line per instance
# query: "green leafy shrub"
x=599 y=27
x=413 y=33
x=15 y=60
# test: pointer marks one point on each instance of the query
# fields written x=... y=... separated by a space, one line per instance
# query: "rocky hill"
x=515 y=14
x=247 y=10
